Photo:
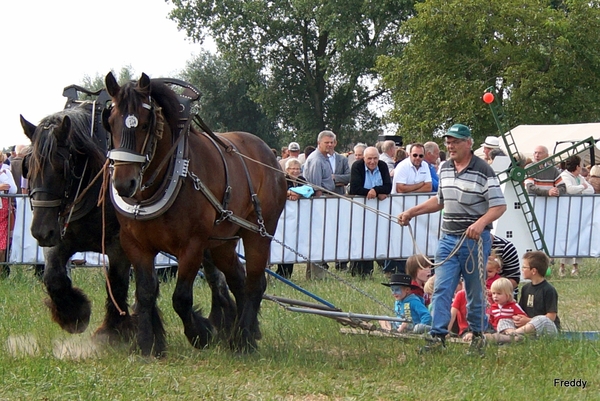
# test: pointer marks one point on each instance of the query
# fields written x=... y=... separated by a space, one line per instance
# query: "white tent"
x=554 y=137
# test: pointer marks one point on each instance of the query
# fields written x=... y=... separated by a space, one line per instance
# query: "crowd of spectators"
x=387 y=168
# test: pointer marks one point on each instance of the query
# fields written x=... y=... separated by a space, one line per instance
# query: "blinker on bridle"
x=60 y=199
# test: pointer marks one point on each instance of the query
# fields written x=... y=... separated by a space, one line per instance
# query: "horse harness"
x=226 y=214
x=165 y=196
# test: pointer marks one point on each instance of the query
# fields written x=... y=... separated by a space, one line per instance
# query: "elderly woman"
x=293 y=167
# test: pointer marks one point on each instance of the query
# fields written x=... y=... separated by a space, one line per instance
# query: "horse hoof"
x=244 y=345
x=71 y=310
x=114 y=335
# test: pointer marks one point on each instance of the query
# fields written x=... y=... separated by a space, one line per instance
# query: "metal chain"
x=338 y=278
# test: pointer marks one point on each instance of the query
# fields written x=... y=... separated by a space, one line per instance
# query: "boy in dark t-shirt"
x=539 y=298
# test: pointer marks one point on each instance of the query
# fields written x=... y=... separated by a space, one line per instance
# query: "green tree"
x=316 y=57
x=226 y=104
x=542 y=58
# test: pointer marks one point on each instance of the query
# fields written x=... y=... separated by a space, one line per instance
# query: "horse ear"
x=144 y=82
x=28 y=127
x=112 y=86
x=62 y=131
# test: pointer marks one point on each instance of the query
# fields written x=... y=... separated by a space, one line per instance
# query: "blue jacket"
x=413 y=308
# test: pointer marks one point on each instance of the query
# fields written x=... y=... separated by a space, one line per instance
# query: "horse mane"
x=164 y=96
x=79 y=140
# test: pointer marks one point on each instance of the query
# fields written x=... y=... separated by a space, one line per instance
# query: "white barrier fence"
x=336 y=229
x=341 y=229
x=571 y=224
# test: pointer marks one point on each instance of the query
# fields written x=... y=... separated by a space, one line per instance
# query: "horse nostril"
x=132 y=187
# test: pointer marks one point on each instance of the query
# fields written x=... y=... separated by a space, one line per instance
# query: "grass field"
x=301 y=357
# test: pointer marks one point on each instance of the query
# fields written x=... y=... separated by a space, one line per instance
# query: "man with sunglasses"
x=412 y=174
x=472 y=200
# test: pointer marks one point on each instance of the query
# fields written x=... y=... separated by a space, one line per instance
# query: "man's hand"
x=381 y=196
x=553 y=192
x=474 y=230
x=372 y=194
x=404 y=218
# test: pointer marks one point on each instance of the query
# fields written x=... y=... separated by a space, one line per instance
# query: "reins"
x=78 y=198
x=102 y=201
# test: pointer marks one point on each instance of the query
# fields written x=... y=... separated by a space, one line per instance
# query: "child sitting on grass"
x=458 y=313
x=539 y=300
x=418 y=267
x=494 y=268
x=408 y=306
x=428 y=290
x=504 y=307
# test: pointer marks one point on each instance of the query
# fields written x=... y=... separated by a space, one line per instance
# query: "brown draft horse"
x=143 y=124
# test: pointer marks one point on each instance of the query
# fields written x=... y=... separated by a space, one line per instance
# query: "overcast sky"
x=46 y=45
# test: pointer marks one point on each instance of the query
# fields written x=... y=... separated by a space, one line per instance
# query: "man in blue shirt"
x=432 y=154
x=370 y=176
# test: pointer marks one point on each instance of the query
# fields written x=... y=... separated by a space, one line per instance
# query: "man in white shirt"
x=412 y=174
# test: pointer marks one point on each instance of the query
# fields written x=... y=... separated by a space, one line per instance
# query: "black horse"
x=65 y=159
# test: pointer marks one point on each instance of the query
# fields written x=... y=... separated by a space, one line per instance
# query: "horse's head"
x=61 y=147
x=132 y=123
x=47 y=168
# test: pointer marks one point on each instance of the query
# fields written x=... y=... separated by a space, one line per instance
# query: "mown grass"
x=301 y=357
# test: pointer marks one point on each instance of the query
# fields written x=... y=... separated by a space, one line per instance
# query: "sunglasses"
x=420 y=156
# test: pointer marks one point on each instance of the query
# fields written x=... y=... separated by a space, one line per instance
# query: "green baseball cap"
x=459 y=131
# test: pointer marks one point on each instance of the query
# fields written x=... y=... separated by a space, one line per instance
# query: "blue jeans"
x=464 y=263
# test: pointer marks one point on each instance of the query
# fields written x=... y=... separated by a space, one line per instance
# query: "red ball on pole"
x=488 y=97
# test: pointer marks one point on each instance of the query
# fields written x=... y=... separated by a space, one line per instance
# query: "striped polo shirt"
x=468 y=195
x=541 y=182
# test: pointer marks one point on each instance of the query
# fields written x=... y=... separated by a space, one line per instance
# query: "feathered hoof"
x=71 y=310
x=122 y=333
x=202 y=332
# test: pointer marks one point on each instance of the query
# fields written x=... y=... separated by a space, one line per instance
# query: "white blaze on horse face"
x=131 y=121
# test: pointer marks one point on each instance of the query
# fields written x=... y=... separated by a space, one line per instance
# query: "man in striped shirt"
x=547 y=182
x=511 y=264
x=470 y=194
